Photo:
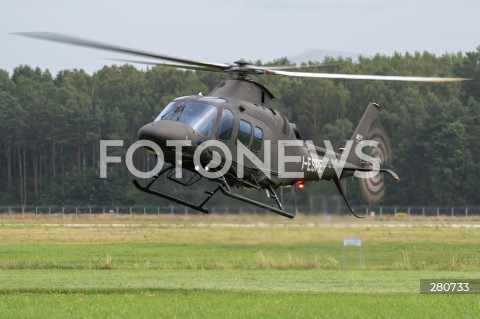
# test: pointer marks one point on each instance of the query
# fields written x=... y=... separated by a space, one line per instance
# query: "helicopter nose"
x=162 y=131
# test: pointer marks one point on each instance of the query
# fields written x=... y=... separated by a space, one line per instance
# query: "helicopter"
x=235 y=137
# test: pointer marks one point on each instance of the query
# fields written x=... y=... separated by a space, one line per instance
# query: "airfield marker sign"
x=352 y=242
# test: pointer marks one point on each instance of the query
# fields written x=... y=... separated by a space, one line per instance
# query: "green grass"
x=188 y=271
x=221 y=304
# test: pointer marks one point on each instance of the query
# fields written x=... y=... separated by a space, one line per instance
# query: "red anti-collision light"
x=300 y=184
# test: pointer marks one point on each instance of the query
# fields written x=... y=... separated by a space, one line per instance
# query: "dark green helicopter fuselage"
x=239 y=111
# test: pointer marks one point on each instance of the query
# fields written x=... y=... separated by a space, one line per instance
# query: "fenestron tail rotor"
x=240 y=67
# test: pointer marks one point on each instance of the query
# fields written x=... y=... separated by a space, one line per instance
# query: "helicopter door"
x=257 y=141
x=244 y=136
x=244 y=133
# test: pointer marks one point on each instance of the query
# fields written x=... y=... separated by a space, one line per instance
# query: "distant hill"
x=320 y=55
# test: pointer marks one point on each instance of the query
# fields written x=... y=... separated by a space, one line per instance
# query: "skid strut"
x=147 y=189
x=223 y=187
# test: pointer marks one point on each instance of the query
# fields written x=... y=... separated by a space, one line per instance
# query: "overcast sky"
x=224 y=31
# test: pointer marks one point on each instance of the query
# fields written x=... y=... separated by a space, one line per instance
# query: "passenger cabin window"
x=257 y=139
x=244 y=132
x=225 y=129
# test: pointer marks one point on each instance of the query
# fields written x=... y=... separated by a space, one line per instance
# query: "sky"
x=225 y=31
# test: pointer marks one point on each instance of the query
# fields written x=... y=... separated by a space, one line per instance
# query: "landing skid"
x=223 y=187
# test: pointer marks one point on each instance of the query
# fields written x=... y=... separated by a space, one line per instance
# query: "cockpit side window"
x=224 y=131
x=244 y=132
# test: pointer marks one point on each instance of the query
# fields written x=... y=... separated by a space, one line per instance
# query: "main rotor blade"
x=62 y=38
x=171 y=65
x=218 y=67
x=364 y=77
x=297 y=67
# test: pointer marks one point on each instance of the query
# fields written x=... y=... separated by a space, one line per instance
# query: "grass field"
x=255 y=268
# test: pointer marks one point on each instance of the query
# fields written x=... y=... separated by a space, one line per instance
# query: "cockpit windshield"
x=199 y=116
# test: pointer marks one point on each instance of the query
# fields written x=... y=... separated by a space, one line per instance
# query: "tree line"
x=51 y=125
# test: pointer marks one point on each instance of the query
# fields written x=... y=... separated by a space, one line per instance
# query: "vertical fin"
x=362 y=130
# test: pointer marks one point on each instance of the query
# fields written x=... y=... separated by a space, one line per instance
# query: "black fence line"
x=387 y=210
